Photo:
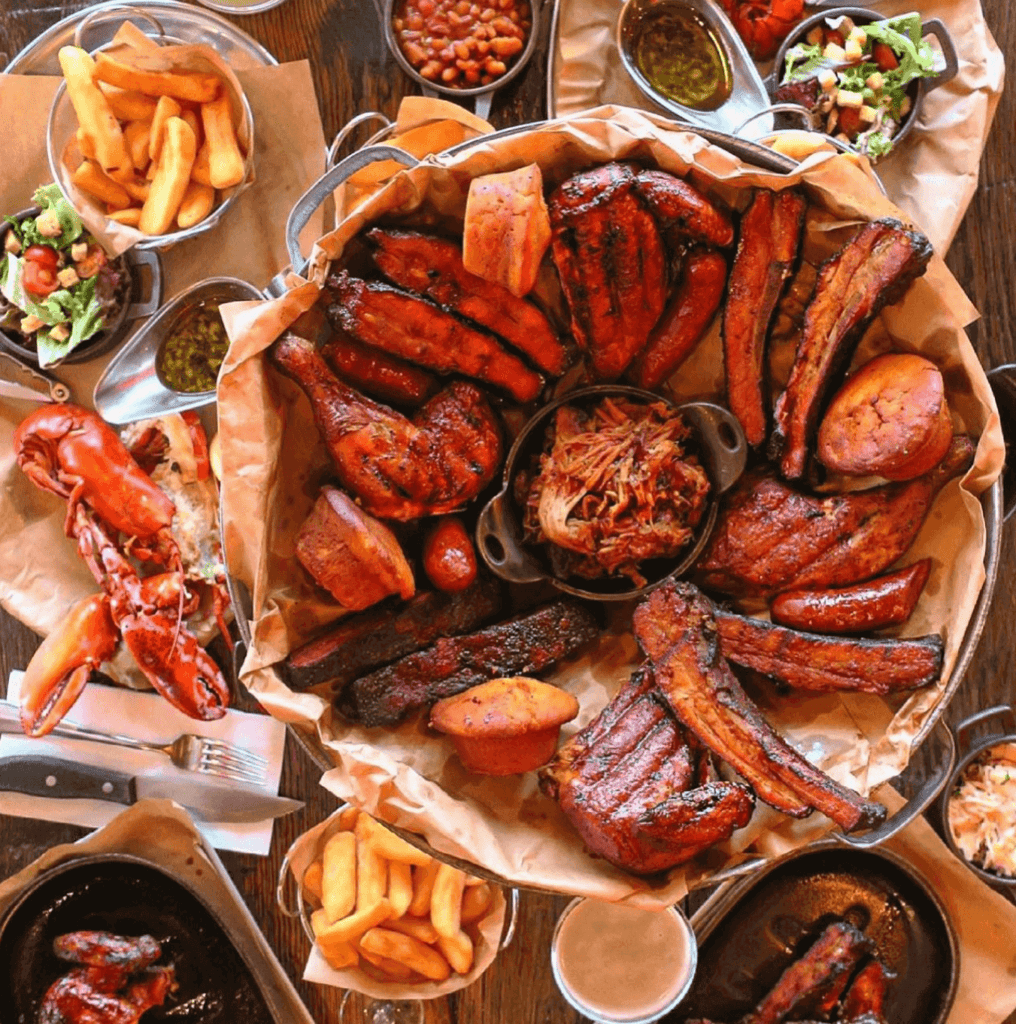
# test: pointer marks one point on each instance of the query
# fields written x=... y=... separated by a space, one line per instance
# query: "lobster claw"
x=176 y=664
x=61 y=666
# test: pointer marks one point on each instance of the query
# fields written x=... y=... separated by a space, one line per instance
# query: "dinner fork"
x=193 y=753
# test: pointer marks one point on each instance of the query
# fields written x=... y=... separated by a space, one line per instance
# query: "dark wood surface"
x=354 y=72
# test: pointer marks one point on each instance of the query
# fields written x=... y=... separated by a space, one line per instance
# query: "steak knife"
x=37 y=775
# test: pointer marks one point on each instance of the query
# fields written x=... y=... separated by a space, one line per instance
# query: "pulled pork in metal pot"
x=615 y=487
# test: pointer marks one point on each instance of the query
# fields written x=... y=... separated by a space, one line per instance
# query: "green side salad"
x=58 y=288
x=857 y=79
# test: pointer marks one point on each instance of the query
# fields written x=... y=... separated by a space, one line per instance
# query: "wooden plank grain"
x=352 y=72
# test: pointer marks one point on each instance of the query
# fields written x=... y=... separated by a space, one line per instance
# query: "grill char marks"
x=810 y=661
x=523 y=645
x=375 y=637
x=680 y=208
x=767 y=249
x=770 y=537
x=433 y=267
x=835 y=953
x=415 y=329
x=611 y=261
x=630 y=784
x=871 y=271
x=676 y=627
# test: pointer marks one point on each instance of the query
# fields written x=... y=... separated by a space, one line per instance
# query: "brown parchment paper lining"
x=41 y=574
x=410 y=778
x=932 y=175
x=309 y=848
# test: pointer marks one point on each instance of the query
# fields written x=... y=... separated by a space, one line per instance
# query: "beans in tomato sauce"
x=460 y=43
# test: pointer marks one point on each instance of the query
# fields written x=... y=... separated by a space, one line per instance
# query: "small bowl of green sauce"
x=685 y=56
x=172 y=363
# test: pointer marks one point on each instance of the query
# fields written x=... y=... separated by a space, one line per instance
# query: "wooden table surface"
x=353 y=72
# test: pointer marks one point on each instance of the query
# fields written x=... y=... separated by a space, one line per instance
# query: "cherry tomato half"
x=39 y=280
x=43 y=254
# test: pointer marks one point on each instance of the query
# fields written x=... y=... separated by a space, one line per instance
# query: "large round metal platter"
x=178 y=20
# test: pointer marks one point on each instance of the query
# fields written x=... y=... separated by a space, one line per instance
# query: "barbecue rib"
x=680 y=207
x=524 y=645
x=433 y=267
x=676 y=628
x=809 y=661
x=871 y=271
x=837 y=951
x=769 y=537
x=684 y=321
x=865 y=999
x=611 y=260
x=415 y=329
x=359 y=643
x=636 y=791
x=770 y=236
x=399 y=468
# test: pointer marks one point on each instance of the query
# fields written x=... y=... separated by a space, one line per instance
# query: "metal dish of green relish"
x=189 y=359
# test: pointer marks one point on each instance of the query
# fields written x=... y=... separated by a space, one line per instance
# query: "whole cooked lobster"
x=115 y=512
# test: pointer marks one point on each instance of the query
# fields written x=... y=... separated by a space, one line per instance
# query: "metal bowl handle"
x=308 y=203
x=779 y=108
x=1004 y=712
x=120 y=13
x=347 y=130
x=936 y=27
x=150 y=303
x=915 y=806
x=281 y=898
x=496 y=544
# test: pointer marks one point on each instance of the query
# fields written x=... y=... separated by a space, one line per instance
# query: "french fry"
x=196 y=204
x=137 y=135
x=129 y=34
x=131 y=216
x=91 y=178
x=201 y=172
x=458 y=951
x=311 y=880
x=419 y=927
x=400 y=886
x=194 y=120
x=338 y=870
x=423 y=887
x=193 y=86
x=475 y=901
x=138 y=189
x=371 y=868
x=171 y=177
x=348 y=815
x=394 y=969
x=394 y=847
x=338 y=954
x=446 y=900
x=128 y=106
x=95 y=117
x=225 y=162
x=166 y=108
x=349 y=929
x=85 y=144
x=396 y=946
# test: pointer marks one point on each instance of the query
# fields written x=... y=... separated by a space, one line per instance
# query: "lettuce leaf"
x=49 y=197
x=903 y=35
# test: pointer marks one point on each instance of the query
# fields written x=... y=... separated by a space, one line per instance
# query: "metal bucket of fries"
x=151 y=143
x=385 y=918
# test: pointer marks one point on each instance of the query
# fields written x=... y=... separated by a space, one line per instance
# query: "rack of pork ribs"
x=839 y=978
x=644 y=261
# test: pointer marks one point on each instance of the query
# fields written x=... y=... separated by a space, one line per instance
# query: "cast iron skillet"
x=126 y=895
x=764 y=923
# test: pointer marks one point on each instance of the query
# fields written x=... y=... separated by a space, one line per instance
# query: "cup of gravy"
x=618 y=964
